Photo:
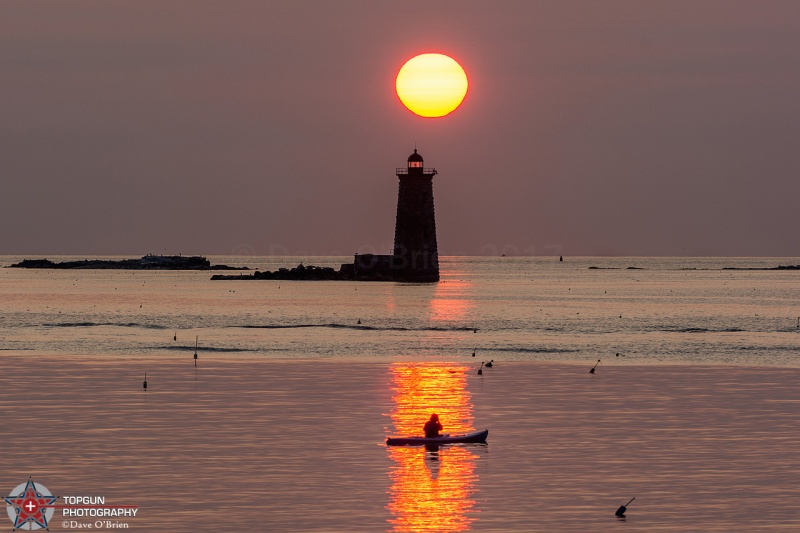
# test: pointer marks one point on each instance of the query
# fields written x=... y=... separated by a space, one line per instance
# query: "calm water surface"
x=281 y=426
x=260 y=445
x=653 y=310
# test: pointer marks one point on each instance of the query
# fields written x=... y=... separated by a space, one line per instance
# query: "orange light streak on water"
x=419 y=389
x=431 y=489
x=450 y=302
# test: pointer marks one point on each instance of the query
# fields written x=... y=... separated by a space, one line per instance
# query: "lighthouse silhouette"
x=415 y=256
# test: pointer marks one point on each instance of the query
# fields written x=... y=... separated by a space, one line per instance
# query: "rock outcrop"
x=148 y=262
x=301 y=272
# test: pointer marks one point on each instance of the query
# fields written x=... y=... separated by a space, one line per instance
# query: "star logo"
x=29 y=506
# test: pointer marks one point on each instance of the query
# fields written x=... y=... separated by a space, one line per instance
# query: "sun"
x=431 y=85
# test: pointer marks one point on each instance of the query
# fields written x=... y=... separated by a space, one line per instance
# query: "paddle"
x=622 y=508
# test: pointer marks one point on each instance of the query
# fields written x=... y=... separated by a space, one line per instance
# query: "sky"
x=272 y=128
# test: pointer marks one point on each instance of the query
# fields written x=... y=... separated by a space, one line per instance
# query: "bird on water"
x=591 y=371
x=144 y=385
x=489 y=364
x=480 y=370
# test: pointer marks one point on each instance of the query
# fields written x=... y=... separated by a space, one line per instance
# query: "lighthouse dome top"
x=415 y=157
x=415 y=167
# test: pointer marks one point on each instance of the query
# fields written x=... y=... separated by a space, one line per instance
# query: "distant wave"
x=775 y=349
x=614 y=268
x=703 y=330
x=520 y=349
x=96 y=324
x=360 y=327
x=353 y=326
x=200 y=350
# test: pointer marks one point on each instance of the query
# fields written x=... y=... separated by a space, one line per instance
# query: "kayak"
x=474 y=437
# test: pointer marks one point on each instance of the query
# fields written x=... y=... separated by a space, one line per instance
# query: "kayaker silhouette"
x=432 y=427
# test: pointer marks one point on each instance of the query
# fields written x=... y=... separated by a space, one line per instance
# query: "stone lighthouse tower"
x=416 y=255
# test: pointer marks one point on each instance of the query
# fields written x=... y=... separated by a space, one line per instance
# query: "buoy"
x=622 y=508
x=144 y=385
x=595 y=366
x=480 y=370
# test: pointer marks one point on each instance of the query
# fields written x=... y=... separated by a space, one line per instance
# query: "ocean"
x=649 y=310
x=281 y=426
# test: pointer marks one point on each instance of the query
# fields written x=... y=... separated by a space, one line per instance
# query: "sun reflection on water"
x=451 y=302
x=431 y=489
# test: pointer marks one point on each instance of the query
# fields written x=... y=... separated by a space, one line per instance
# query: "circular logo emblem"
x=29 y=506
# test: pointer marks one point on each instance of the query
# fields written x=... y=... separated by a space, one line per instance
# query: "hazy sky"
x=231 y=127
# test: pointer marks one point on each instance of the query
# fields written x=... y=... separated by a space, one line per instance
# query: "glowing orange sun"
x=431 y=85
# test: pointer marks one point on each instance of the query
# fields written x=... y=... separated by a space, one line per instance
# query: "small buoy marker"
x=622 y=508
x=591 y=371
x=144 y=384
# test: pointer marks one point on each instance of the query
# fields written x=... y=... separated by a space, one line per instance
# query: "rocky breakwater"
x=779 y=267
x=346 y=272
x=148 y=262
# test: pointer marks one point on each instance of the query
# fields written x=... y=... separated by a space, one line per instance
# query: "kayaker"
x=432 y=427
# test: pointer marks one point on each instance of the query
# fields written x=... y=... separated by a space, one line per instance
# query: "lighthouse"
x=415 y=256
